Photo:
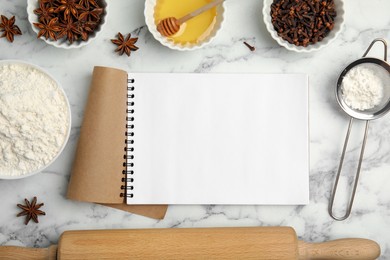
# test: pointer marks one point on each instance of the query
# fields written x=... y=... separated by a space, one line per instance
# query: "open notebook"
x=217 y=139
x=196 y=139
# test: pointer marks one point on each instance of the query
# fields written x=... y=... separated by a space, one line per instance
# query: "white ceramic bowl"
x=338 y=25
x=3 y=62
x=150 y=22
x=63 y=43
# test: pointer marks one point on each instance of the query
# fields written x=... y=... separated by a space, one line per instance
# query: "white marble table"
x=365 y=20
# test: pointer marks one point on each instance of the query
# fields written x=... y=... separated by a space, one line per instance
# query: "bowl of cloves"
x=304 y=25
x=67 y=23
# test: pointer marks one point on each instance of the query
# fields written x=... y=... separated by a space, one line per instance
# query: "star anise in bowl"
x=67 y=23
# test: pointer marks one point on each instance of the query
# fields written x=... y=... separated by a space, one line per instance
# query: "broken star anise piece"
x=89 y=15
x=85 y=28
x=86 y=3
x=31 y=210
x=51 y=3
x=9 y=29
x=125 y=45
x=48 y=29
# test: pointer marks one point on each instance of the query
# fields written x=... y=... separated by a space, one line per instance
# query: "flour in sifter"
x=34 y=119
x=363 y=86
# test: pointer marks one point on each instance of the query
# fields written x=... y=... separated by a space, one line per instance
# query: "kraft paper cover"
x=97 y=170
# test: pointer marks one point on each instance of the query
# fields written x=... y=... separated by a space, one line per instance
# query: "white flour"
x=33 y=119
x=363 y=86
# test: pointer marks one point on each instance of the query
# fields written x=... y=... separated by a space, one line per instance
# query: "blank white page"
x=220 y=139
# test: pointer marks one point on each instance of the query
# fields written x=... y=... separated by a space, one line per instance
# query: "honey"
x=194 y=30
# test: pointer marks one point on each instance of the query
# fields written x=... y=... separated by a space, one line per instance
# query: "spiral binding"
x=129 y=156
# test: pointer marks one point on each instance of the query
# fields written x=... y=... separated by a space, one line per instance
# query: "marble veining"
x=364 y=21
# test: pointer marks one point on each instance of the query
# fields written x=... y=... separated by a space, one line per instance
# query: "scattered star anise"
x=48 y=29
x=9 y=29
x=31 y=210
x=45 y=11
x=125 y=45
x=76 y=19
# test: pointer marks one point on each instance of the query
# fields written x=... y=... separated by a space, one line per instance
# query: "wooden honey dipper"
x=171 y=25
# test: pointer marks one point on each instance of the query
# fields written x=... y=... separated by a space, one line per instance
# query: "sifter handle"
x=332 y=197
x=372 y=44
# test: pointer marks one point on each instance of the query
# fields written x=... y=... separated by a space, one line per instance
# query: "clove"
x=250 y=47
x=303 y=22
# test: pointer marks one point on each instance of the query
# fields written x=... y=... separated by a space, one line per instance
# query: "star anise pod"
x=94 y=14
x=86 y=3
x=70 y=29
x=45 y=12
x=69 y=7
x=48 y=29
x=31 y=210
x=51 y=3
x=85 y=28
x=125 y=45
x=9 y=29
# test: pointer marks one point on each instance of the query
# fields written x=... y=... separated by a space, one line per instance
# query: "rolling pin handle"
x=17 y=252
x=340 y=249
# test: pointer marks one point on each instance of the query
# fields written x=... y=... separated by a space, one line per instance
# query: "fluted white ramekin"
x=64 y=43
x=150 y=22
x=338 y=25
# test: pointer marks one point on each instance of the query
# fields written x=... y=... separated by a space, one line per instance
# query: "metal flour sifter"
x=366 y=115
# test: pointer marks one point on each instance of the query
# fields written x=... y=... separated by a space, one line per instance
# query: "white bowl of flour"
x=35 y=119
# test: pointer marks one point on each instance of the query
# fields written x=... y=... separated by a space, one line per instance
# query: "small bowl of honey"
x=194 y=33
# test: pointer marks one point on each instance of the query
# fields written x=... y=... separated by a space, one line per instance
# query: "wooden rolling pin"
x=277 y=243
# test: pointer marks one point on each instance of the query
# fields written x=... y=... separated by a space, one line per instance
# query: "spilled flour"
x=34 y=119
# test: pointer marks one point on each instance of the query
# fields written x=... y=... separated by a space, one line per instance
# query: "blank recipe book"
x=177 y=138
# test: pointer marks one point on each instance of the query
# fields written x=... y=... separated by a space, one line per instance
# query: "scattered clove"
x=303 y=22
x=250 y=47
